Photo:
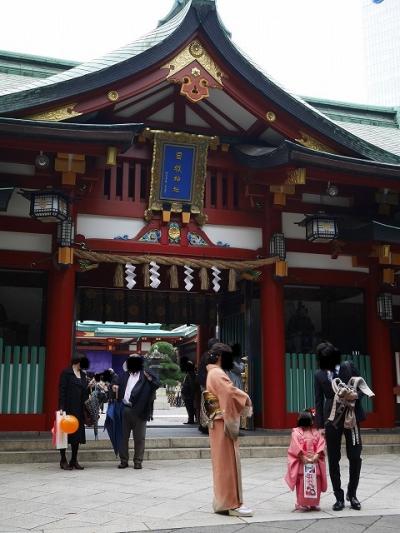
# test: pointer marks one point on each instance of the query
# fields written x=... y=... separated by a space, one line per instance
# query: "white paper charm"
x=130 y=275
x=188 y=277
x=216 y=278
x=154 y=275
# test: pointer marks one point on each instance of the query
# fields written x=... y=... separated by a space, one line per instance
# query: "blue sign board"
x=177 y=172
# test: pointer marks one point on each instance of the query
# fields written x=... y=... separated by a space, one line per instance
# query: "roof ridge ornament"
x=201 y=6
x=195 y=70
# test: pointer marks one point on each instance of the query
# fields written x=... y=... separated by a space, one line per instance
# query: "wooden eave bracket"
x=296 y=176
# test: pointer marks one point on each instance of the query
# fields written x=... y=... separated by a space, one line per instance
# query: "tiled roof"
x=386 y=138
x=12 y=82
x=113 y=58
x=377 y=125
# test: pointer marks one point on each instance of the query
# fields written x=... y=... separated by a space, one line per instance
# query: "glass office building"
x=381 y=24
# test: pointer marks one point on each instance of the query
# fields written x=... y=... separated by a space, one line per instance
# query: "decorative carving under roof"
x=195 y=70
x=60 y=113
x=310 y=142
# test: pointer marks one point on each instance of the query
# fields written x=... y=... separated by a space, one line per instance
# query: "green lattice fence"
x=21 y=379
x=300 y=369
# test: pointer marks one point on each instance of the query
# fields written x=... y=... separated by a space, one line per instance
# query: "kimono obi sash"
x=212 y=408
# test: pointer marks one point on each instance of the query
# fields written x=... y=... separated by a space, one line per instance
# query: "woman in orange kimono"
x=306 y=456
x=224 y=405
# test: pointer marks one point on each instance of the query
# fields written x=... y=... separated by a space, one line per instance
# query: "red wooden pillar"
x=272 y=336
x=380 y=350
x=60 y=324
x=273 y=351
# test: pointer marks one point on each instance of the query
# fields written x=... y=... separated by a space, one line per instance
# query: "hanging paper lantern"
x=216 y=279
x=188 y=277
x=154 y=275
x=130 y=275
x=69 y=424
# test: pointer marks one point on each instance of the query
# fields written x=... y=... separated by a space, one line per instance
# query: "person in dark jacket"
x=188 y=390
x=73 y=392
x=136 y=391
x=328 y=357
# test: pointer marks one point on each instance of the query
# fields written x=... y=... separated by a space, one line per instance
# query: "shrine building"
x=173 y=182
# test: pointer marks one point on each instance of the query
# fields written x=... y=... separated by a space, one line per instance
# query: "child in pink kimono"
x=306 y=464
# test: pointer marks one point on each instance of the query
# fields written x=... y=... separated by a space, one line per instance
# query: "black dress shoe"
x=338 y=505
x=123 y=465
x=76 y=465
x=65 y=466
x=137 y=465
x=354 y=503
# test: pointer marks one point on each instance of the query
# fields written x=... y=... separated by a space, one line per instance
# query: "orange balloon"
x=69 y=424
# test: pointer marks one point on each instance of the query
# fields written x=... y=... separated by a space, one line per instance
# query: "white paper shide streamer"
x=216 y=278
x=188 y=277
x=130 y=275
x=154 y=275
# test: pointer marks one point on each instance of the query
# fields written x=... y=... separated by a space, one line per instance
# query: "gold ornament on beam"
x=195 y=71
x=56 y=115
x=296 y=176
x=270 y=116
x=309 y=142
x=111 y=158
x=388 y=276
x=113 y=96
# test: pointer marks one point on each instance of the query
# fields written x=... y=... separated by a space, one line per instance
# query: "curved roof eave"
x=193 y=16
x=111 y=68
x=292 y=104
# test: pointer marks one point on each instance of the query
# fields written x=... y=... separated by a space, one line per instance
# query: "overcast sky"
x=311 y=47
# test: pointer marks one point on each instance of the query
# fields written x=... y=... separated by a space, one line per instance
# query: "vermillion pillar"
x=380 y=350
x=60 y=324
x=273 y=351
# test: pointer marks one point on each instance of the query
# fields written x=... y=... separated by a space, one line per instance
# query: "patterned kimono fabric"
x=224 y=442
x=306 y=442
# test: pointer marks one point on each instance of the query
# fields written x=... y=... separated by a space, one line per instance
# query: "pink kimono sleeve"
x=294 y=462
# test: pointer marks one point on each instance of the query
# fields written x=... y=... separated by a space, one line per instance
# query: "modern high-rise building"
x=381 y=25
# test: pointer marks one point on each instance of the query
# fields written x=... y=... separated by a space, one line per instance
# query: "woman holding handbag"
x=73 y=392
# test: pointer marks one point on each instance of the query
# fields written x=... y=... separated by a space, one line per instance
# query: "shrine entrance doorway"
x=113 y=322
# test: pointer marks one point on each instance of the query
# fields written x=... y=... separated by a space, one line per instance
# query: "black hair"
x=185 y=364
x=211 y=342
x=107 y=376
x=305 y=419
x=82 y=359
x=328 y=356
x=219 y=349
x=97 y=377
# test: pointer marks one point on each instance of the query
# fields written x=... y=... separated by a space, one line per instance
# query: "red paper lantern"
x=69 y=424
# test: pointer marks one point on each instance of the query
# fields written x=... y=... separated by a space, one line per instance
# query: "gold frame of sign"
x=200 y=144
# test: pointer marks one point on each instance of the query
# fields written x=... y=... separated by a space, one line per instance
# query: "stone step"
x=89 y=454
x=44 y=443
x=156 y=454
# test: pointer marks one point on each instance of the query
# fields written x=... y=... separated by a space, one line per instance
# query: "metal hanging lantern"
x=49 y=206
x=65 y=232
x=385 y=306
x=320 y=227
x=277 y=246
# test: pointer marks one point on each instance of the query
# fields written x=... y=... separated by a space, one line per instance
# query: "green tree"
x=162 y=356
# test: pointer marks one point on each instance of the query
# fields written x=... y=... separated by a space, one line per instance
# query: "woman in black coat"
x=73 y=392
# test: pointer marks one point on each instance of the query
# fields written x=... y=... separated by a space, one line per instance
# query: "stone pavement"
x=167 y=495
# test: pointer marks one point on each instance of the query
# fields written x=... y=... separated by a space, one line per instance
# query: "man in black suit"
x=329 y=362
x=136 y=391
